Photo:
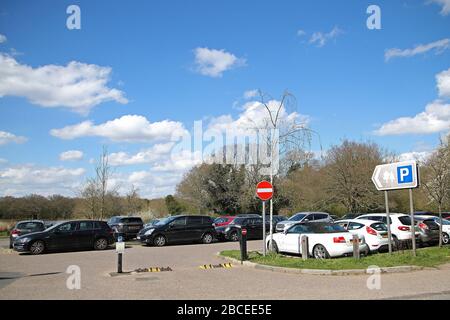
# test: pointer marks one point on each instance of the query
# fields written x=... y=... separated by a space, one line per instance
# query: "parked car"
x=253 y=225
x=445 y=229
x=375 y=232
x=325 y=240
x=178 y=229
x=127 y=227
x=428 y=230
x=251 y=215
x=400 y=225
x=303 y=217
x=67 y=236
x=223 y=221
x=25 y=227
x=424 y=213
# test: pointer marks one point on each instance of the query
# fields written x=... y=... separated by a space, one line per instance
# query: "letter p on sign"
x=405 y=174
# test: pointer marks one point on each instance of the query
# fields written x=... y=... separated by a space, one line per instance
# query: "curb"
x=322 y=272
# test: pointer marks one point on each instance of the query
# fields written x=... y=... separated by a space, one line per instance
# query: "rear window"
x=131 y=220
x=379 y=226
x=405 y=220
x=30 y=226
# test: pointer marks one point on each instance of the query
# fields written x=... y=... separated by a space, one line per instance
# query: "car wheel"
x=274 y=247
x=320 y=252
x=101 y=244
x=445 y=238
x=159 y=241
x=234 y=236
x=37 y=247
x=207 y=238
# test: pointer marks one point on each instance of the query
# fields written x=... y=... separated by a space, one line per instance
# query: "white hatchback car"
x=400 y=224
x=325 y=240
x=374 y=232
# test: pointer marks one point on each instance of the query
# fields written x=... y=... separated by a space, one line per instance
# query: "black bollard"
x=243 y=244
x=119 y=263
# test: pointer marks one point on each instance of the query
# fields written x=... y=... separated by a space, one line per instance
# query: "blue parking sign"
x=405 y=174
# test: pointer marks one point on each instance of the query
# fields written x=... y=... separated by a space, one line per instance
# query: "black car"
x=25 y=227
x=253 y=225
x=68 y=235
x=127 y=227
x=178 y=229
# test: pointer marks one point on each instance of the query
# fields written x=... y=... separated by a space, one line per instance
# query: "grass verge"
x=426 y=257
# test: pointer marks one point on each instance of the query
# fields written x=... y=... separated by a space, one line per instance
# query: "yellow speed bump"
x=153 y=269
x=216 y=266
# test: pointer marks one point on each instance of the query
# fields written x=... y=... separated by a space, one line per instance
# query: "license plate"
x=384 y=235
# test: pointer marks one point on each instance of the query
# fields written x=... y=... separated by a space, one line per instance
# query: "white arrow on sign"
x=393 y=176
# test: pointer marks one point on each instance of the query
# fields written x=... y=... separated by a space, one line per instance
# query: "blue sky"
x=144 y=59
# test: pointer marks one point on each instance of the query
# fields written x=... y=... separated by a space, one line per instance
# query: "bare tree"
x=133 y=199
x=436 y=179
x=91 y=195
x=103 y=174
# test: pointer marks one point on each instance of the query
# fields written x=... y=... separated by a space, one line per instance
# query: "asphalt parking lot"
x=44 y=277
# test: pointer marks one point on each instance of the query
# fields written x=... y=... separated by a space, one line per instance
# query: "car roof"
x=24 y=221
x=363 y=221
x=383 y=214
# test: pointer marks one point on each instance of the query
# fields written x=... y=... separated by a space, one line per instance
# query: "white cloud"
x=7 y=137
x=443 y=83
x=445 y=6
x=71 y=155
x=438 y=47
x=212 y=62
x=76 y=86
x=301 y=33
x=321 y=38
x=25 y=179
x=435 y=118
x=3 y=38
x=155 y=153
x=415 y=155
x=128 y=128
x=249 y=94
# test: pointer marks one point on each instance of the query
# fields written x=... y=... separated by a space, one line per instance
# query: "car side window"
x=85 y=226
x=179 y=222
x=67 y=227
x=194 y=220
x=343 y=224
x=298 y=229
x=354 y=226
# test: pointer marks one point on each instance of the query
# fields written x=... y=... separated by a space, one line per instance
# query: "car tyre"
x=37 y=247
x=234 y=236
x=160 y=241
x=320 y=252
x=101 y=244
x=274 y=247
x=445 y=238
x=207 y=238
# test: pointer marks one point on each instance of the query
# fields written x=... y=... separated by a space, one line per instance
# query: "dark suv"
x=127 y=227
x=177 y=229
x=253 y=225
x=70 y=235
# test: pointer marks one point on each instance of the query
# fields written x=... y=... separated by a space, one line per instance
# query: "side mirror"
x=306 y=220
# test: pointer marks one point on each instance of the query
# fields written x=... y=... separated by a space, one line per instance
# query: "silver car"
x=303 y=217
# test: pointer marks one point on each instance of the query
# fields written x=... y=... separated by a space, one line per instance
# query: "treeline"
x=338 y=183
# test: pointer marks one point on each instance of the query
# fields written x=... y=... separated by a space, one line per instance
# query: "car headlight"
x=227 y=229
x=149 y=232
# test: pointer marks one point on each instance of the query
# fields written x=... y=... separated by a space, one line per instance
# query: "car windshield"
x=164 y=221
x=297 y=217
x=326 y=228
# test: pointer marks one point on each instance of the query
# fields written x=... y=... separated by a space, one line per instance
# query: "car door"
x=63 y=236
x=85 y=234
x=193 y=228
x=292 y=238
x=255 y=228
x=176 y=231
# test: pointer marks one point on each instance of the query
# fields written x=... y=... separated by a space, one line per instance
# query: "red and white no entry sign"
x=264 y=190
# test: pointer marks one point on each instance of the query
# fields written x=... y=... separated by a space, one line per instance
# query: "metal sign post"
x=264 y=191
x=120 y=249
x=397 y=176
x=413 y=227
x=388 y=220
x=264 y=227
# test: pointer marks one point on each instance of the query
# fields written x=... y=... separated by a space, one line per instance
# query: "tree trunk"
x=440 y=226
